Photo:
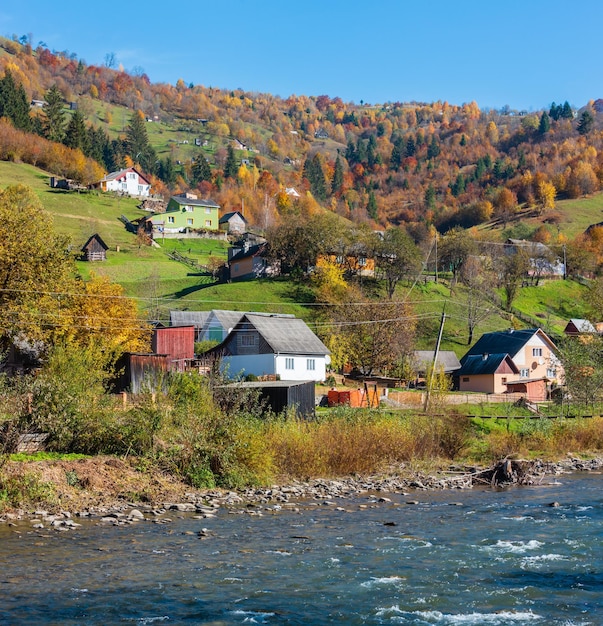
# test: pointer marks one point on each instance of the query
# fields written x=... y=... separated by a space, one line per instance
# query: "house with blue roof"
x=518 y=359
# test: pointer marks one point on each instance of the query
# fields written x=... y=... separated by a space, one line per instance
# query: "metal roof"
x=184 y=318
x=447 y=359
x=506 y=342
x=285 y=334
x=476 y=364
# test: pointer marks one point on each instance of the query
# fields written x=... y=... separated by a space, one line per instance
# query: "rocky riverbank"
x=113 y=491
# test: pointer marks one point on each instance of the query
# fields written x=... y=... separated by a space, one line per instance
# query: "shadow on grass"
x=187 y=291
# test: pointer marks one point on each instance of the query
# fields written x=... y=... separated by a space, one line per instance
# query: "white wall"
x=264 y=364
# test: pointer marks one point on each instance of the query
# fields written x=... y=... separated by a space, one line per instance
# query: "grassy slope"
x=161 y=283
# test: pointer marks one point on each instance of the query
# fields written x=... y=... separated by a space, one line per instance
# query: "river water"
x=453 y=557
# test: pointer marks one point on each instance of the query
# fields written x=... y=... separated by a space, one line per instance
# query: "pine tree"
x=54 y=115
x=586 y=123
x=337 y=181
x=430 y=197
x=231 y=167
x=201 y=169
x=371 y=206
x=137 y=139
x=14 y=103
x=545 y=124
x=167 y=171
x=76 y=135
x=433 y=150
x=567 y=112
x=318 y=183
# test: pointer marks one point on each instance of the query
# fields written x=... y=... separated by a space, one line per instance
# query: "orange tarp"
x=355 y=398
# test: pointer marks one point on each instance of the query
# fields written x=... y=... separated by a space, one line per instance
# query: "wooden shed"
x=177 y=343
x=95 y=249
x=141 y=372
x=281 y=395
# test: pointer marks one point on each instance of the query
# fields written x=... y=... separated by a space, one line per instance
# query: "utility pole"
x=436 y=258
x=435 y=360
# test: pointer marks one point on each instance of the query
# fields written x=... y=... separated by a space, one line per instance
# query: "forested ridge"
x=396 y=163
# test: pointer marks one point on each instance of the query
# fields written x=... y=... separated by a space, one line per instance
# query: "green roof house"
x=185 y=212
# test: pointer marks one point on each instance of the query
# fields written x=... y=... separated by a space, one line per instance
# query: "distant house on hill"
x=128 y=181
x=234 y=223
x=579 y=327
x=185 y=212
x=95 y=249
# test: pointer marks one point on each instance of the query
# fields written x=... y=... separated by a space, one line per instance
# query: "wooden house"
x=577 y=327
x=234 y=223
x=268 y=344
x=95 y=249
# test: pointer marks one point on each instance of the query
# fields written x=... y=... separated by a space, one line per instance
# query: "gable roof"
x=249 y=252
x=506 y=342
x=580 y=325
x=122 y=173
x=186 y=318
x=227 y=319
x=447 y=359
x=228 y=216
x=480 y=364
x=96 y=238
x=180 y=200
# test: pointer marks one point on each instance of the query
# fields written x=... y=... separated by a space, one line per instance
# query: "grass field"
x=160 y=283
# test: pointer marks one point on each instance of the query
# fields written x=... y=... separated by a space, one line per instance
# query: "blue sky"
x=525 y=54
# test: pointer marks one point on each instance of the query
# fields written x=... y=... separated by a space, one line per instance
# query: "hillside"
x=411 y=164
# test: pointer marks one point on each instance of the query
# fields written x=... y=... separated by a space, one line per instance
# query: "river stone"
x=184 y=507
x=135 y=514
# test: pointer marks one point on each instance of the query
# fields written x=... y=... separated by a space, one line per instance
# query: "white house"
x=129 y=181
x=268 y=344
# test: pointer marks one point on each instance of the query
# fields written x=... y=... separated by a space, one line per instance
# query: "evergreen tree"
x=567 y=112
x=463 y=141
x=545 y=124
x=371 y=152
x=137 y=144
x=371 y=207
x=586 y=123
x=337 y=181
x=458 y=187
x=76 y=135
x=361 y=152
x=201 y=170
x=54 y=115
x=433 y=150
x=555 y=111
x=167 y=171
x=350 y=153
x=430 y=197
x=14 y=103
x=316 y=176
x=397 y=155
x=410 y=147
x=231 y=167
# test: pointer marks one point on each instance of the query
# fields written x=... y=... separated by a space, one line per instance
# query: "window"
x=465 y=379
x=311 y=364
x=207 y=211
x=289 y=364
x=140 y=189
x=131 y=175
x=361 y=261
x=208 y=223
x=524 y=372
x=247 y=340
x=189 y=209
x=170 y=220
x=503 y=379
x=536 y=351
x=551 y=373
x=189 y=221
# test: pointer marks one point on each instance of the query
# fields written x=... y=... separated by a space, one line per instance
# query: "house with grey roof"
x=447 y=361
x=190 y=318
x=219 y=324
x=233 y=222
x=578 y=326
x=268 y=344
